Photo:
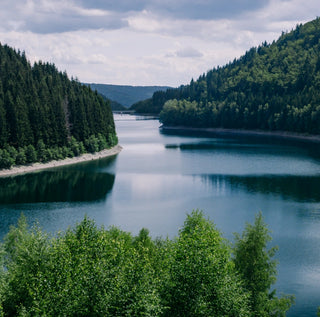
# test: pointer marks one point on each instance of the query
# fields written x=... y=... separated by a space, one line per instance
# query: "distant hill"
x=271 y=87
x=126 y=95
x=114 y=104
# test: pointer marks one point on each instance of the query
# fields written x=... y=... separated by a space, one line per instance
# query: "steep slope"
x=41 y=108
x=273 y=87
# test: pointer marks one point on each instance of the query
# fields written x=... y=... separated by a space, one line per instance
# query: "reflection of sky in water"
x=144 y=149
x=158 y=178
x=231 y=180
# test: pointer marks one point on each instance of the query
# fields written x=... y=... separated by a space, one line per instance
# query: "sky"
x=145 y=42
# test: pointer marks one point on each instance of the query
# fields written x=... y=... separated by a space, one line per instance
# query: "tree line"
x=271 y=87
x=41 y=107
x=91 y=271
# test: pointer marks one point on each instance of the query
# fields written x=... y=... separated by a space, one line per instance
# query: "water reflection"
x=288 y=187
x=230 y=178
x=61 y=185
x=244 y=143
x=234 y=146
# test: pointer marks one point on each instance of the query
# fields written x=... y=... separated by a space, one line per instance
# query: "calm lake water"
x=158 y=178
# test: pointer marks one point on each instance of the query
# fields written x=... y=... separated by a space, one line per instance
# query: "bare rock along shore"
x=68 y=161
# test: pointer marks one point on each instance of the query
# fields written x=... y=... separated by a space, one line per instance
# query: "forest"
x=126 y=95
x=44 y=115
x=271 y=87
x=91 y=271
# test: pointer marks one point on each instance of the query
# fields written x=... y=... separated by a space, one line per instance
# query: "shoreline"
x=24 y=169
x=274 y=134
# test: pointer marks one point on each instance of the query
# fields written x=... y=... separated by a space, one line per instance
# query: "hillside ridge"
x=44 y=115
x=271 y=87
x=126 y=95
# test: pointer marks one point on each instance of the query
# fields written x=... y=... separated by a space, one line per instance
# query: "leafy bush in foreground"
x=257 y=267
x=91 y=271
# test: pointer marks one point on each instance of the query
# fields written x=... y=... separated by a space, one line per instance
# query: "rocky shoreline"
x=16 y=170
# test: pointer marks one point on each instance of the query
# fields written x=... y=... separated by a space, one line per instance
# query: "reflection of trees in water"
x=55 y=186
x=270 y=149
x=268 y=144
x=296 y=188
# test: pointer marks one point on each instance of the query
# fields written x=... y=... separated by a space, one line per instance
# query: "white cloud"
x=180 y=9
x=139 y=42
x=47 y=16
x=188 y=52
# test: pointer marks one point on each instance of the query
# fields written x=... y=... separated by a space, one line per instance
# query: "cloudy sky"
x=145 y=42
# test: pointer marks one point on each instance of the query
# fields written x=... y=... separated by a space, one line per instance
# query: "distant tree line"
x=44 y=115
x=90 y=271
x=272 y=87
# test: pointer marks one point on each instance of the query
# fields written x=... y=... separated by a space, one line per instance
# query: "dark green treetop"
x=271 y=87
x=40 y=104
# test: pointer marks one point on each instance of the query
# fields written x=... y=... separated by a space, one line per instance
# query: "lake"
x=159 y=177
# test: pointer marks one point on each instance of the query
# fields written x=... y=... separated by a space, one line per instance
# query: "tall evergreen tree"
x=39 y=103
x=272 y=87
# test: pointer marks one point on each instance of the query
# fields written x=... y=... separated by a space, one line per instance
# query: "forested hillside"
x=127 y=95
x=44 y=115
x=114 y=104
x=272 y=87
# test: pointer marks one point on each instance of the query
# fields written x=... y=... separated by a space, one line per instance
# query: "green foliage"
x=112 y=140
x=26 y=260
x=122 y=96
x=75 y=147
x=31 y=154
x=254 y=261
x=21 y=158
x=41 y=107
x=6 y=161
x=28 y=154
x=41 y=150
x=202 y=277
x=155 y=104
x=98 y=143
x=2 y=278
x=12 y=152
x=85 y=272
x=92 y=144
x=116 y=106
x=272 y=87
x=102 y=142
x=91 y=271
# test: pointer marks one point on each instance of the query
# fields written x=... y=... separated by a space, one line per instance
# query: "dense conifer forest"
x=272 y=87
x=44 y=115
x=91 y=271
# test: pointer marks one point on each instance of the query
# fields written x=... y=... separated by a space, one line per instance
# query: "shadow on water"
x=226 y=146
x=58 y=185
x=261 y=143
x=289 y=187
